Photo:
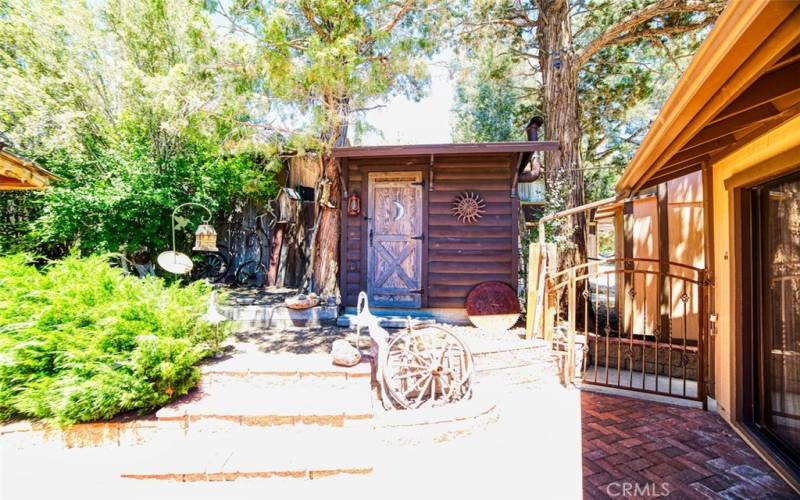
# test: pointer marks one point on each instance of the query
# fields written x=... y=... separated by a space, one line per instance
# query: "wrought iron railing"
x=634 y=324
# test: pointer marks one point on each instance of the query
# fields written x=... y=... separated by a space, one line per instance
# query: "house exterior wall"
x=774 y=154
x=684 y=232
x=685 y=228
x=455 y=256
x=645 y=246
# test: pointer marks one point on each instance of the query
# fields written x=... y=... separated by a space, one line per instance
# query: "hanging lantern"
x=205 y=239
x=354 y=205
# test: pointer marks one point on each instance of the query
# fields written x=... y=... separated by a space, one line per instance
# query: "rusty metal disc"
x=493 y=305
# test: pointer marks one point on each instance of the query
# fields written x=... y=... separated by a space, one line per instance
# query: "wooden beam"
x=790 y=57
x=665 y=298
x=733 y=124
x=687 y=154
x=534 y=257
x=754 y=133
x=773 y=85
x=445 y=149
x=674 y=173
x=708 y=260
x=626 y=324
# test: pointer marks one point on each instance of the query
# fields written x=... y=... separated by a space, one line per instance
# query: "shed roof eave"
x=445 y=149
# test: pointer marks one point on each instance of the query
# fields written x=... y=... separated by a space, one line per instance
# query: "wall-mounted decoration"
x=468 y=207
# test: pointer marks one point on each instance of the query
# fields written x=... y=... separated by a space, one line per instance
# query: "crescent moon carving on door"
x=400 y=211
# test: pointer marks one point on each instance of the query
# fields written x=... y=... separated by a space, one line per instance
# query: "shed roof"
x=742 y=82
x=17 y=174
x=445 y=149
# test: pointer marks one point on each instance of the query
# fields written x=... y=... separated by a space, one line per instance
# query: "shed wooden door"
x=394 y=246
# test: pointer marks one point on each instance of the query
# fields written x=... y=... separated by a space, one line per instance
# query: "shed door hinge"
x=418 y=291
x=420 y=237
x=419 y=183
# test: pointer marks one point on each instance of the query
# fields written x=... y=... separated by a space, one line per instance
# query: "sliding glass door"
x=777 y=322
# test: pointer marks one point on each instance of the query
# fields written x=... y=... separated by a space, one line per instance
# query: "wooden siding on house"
x=455 y=256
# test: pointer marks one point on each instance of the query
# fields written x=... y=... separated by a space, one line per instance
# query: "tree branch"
x=312 y=21
x=658 y=32
x=621 y=32
x=369 y=108
x=401 y=13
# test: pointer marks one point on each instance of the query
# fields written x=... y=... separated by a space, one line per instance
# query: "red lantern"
x=354 y=205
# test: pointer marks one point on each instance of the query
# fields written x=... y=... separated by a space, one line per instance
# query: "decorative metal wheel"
x=468 y=207
x=427 y=366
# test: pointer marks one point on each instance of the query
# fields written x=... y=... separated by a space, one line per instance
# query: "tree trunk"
x=563 y=177
x=326 y=256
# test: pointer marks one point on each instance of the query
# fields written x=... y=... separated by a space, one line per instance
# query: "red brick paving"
x=641 y=449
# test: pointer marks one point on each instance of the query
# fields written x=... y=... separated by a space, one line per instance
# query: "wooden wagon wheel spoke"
x=452 y=390
x=420 y=398
x=427 y=366
x=419 y=367
x=408 y=375
x=415 y=386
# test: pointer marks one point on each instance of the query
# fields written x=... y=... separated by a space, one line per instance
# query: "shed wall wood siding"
x=456 y=256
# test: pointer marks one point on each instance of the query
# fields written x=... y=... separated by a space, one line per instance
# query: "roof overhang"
x=743 y=81
x=445 y=149
x=18 y=174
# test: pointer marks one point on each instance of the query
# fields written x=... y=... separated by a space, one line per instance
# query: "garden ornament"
x=205 y=241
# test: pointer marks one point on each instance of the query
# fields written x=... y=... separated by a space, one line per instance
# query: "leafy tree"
x=130 y=103
x=593 y=61
x=321 y=62
x=489 y=103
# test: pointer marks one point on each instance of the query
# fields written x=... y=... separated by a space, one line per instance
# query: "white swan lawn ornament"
x=379 y=341
x=431 y=365
x=213 y=315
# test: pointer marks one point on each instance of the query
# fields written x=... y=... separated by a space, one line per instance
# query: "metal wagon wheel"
x=251 y=274
x=427 y=366
x=214 y=266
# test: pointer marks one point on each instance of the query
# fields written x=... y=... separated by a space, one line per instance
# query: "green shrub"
x=80 y=341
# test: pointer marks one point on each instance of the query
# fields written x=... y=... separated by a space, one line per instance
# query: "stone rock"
x=344 y=354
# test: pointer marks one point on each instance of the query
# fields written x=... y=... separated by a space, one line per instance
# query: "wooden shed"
x=407 y=247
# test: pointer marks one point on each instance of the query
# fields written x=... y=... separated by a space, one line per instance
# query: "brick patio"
x=664 y=448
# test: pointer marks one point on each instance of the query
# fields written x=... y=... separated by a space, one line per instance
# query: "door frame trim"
x=419 y=175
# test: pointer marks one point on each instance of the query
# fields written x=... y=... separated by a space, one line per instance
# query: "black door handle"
x=370 y=237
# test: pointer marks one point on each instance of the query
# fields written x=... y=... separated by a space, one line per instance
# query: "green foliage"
x=131 y=103
x=81 y=341
x=488 y=106
x=320 y=62
x=620 y=87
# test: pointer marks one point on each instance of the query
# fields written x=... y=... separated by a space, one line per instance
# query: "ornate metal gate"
x=634 y=324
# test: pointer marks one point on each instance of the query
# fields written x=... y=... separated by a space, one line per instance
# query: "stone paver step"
x=286 y=364
x=274 y=452
x=265 y=400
